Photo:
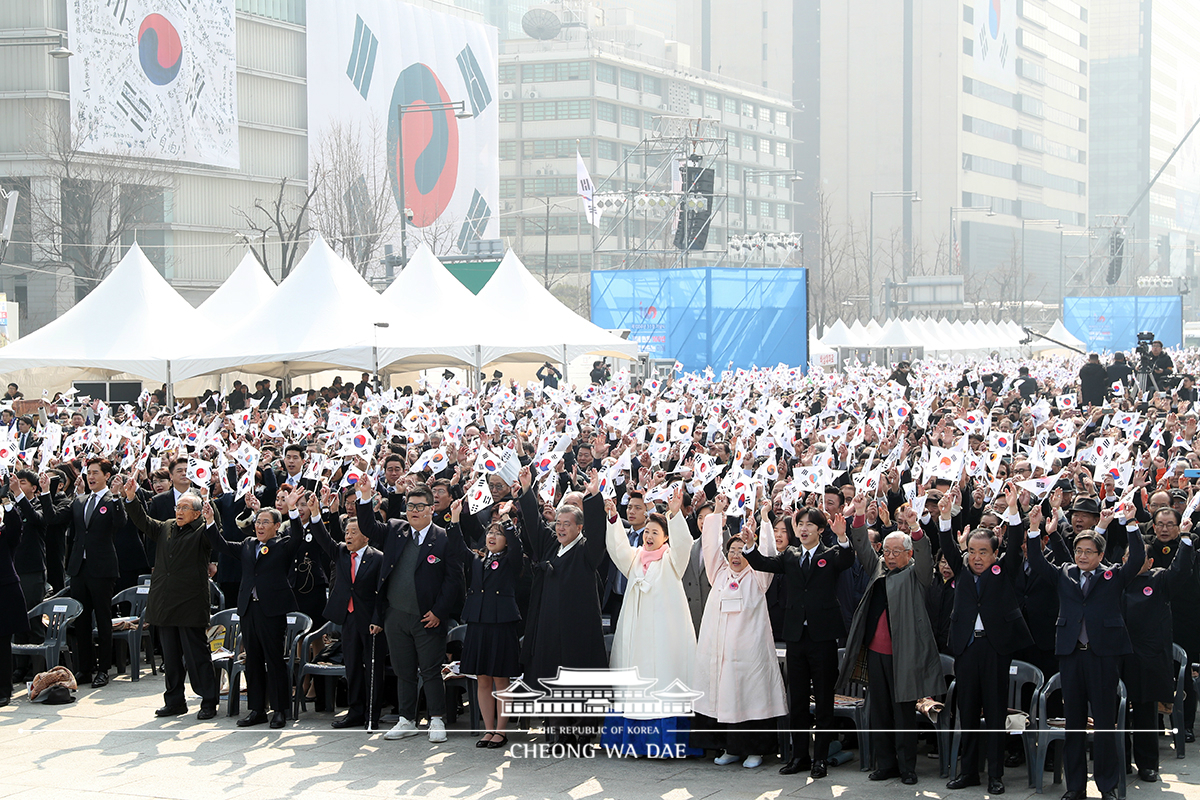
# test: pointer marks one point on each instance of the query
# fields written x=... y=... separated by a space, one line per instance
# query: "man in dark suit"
x=264 y=600
x=292 y=473
x=93 y=568
x=353 y=604
x=615 y=582
x=26 y=438
x=1090 y=642
x=812 y=626
x=986 y=627
x=419 y=583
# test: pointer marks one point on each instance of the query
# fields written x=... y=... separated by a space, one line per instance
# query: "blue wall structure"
x=1113 y=323
x=708 y=316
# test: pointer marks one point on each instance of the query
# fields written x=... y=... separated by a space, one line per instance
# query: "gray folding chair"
x=139 y=635
x=59 y=613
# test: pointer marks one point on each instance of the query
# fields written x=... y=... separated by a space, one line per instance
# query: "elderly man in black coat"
x=13 y=619
x=178 y=602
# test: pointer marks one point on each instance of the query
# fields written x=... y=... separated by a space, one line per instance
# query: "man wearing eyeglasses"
x=1091 y=640
x=419 y=581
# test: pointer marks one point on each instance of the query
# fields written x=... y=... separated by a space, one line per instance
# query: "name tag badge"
x=731 y=605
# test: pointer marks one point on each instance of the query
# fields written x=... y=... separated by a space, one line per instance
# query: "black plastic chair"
x=469 y=683
x=232 y=644
x=306 y=667
x=139 y=636
x=59 y=612
x=856 y=711
x=1046 y=735
x=297 y=625
x=1180 y=736
x=1020 y=675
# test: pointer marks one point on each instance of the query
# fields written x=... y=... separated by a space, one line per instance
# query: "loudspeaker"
x=692 y=231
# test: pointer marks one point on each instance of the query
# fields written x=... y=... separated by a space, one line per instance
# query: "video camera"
x=1145 y=363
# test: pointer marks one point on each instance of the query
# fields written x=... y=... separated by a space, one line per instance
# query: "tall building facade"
x=1145 y=98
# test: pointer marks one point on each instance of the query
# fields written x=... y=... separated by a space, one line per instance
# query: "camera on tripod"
x=1145 y=363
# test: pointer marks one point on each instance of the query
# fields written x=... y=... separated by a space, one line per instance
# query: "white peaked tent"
x=321 y=317
x=242 y=292
x=838 y=335
x=442 y=319
x=133 y=322
x=524 y=322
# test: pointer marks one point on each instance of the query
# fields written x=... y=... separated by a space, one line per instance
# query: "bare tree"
x=281 y=220
x=96 y=203
x=354 y=207
x=440 y=236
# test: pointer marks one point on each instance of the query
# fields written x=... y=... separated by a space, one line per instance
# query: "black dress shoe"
x=795 y=765
x=1148 y=775
x=171 y=711
x=99 y=680
x=1111 y=794
x=963 y=781
x=1014 y=759
x=1189 y=737
x=496 y=744
x=83 y=677
x=1074 y=796
x=251 y=719
x=884 y=774
x=206 y=712
x=909 y=779
x=995 y=786
x=278 y=719
x=348 y=721
x=819 y=769
x=5 y=701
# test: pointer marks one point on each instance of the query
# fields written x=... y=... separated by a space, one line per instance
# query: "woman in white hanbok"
x=654 y=634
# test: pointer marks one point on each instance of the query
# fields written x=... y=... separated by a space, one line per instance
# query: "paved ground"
x=108 y=744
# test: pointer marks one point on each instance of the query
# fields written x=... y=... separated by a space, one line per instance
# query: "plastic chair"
x=134 y=638
x=60 y=613
x=1180 y=736
x=608 y=643
x=232 y=623
x=216 y=598
x=144 y=580
x=857 y=712
x=307 y=667
x=1046 y=735
x=469 y=683
x=1020 y=675
x=947 y=719
x=297 y=625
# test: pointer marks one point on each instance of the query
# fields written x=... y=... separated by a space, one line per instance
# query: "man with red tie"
x=352 y=604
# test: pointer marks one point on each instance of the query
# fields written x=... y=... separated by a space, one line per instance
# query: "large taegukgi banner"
x=368 y=59
x=155 y=79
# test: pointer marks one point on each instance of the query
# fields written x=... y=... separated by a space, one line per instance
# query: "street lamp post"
x=957 y=209
x=916 y=198
x=1024 y=223
x=58 y=40
x=460 y=111
x=375 y=351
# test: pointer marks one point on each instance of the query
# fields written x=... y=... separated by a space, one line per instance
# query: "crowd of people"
x=867 y=522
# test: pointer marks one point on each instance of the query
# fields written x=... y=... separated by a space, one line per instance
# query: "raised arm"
x=153 y=528
x=619 y=549
x=679 y=533
x=711 y=544
x=319 y=532
x=365 y=513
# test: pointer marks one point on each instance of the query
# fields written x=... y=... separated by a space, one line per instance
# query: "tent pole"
x=476 y=381
x=566 y=378
x=170 y=387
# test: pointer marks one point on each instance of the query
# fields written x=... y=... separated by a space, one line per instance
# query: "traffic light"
x=1116 y=255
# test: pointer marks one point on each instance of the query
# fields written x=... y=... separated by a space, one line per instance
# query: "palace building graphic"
x=597 y=693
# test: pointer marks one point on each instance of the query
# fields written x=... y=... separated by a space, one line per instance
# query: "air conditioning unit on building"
x=551 y=170
x=539 y=171
x=531 y=94
x=506 y=94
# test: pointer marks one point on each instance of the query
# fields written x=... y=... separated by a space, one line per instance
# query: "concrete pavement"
x=108 y=744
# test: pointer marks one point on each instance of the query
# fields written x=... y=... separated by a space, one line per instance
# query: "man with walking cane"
x=352 y=604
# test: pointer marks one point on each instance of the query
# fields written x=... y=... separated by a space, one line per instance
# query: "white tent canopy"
x=523 y=320
x=838 y=335
x=132 y=322
x=322 y=316
x=442 y=319
x=1059 y=333
x=242 y=292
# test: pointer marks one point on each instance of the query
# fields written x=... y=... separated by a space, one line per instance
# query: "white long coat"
x=736 y=665
x=654 y=632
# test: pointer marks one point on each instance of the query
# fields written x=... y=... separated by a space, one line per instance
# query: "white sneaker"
x=752 y=761
x=402 y=730
x=725 y=759
x=437 y=730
